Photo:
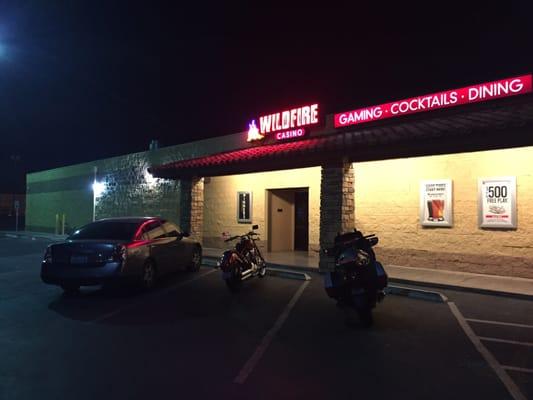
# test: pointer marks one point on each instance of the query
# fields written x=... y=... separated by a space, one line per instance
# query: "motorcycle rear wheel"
x=234 y=284
x=364 y=310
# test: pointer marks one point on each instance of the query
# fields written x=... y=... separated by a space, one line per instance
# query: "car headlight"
x=48 y=255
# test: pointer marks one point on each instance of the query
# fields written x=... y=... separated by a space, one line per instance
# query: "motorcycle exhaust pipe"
x=246 y=274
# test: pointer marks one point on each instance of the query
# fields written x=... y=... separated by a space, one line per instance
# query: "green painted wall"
x=68 y=190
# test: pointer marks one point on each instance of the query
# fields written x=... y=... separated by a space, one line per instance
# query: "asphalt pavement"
x=279 y=338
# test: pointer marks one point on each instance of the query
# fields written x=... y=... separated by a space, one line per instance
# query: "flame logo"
x=253 y=132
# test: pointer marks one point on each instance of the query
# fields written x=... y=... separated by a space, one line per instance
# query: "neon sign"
x=284 y=125
x=466 y=95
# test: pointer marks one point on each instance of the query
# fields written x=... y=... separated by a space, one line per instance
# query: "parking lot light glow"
x=98 y=188
x=150 y=180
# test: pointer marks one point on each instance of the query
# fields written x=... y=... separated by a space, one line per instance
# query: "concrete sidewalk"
x=33 y=235
x=308 y=261
x=481 y=283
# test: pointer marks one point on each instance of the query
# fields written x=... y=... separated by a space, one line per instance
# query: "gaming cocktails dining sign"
x=470 y=94
x=436 y=203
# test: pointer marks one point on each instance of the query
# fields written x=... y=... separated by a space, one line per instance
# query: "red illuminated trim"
x=137 y=235
x=451 y=98
x=137 y=243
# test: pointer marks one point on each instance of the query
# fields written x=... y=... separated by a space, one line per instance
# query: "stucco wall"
x=220 y=208
x=387 y=203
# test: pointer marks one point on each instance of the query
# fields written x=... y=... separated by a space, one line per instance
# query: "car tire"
x=70 y=290
x=149 y=275
x=196 y=260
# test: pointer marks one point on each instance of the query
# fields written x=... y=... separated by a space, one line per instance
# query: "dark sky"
x=82 y=80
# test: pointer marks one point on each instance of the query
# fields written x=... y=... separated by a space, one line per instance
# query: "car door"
x=158 y=242
x=178 y=253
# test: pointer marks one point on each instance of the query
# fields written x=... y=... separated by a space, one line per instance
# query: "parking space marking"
x=487 y=355
x=489 y=339
x=149 y=296
x=484 y=321
x=267 y=339
x=509 y=368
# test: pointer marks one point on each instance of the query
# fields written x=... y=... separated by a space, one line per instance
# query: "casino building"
x=445 y=180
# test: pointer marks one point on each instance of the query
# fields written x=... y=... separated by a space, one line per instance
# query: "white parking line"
x=483 y=321
x=509 y=368
x=490 y=339
x=267 y=339
x=151 y=295
x=489 y=358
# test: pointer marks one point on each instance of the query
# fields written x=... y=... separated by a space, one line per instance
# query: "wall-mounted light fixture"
x=98 y=188
x=150 y=180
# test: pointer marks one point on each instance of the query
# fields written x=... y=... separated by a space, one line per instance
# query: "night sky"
x=83 y=80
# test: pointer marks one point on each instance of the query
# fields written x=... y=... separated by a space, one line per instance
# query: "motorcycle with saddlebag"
x=242 y=262
x=358 y=279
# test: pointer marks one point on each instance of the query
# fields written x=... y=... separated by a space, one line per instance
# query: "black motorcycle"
x=358 y=280
x=242 y=262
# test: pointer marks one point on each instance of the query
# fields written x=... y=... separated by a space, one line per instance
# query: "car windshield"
x=112 y=230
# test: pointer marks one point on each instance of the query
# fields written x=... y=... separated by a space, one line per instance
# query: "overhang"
x=490 y=126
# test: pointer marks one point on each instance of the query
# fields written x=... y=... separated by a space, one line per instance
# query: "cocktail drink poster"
x=436 y=203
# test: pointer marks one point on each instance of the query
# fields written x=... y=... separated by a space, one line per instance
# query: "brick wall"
x=387 y=203
x=220 y=210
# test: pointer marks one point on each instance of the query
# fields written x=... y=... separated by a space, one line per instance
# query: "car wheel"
x=149 y=275
x=196 y=260
x=70 y=290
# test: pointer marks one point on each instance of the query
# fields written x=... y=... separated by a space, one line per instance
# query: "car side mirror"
x=254 y=227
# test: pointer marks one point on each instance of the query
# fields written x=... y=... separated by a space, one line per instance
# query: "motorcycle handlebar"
x=371 y=239
x=251 y=233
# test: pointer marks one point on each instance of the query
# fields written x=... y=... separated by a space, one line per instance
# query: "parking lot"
x=279 y=338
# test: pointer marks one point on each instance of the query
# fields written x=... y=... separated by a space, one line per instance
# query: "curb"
x=418 y=294
x=286 y=273
x=490 y=292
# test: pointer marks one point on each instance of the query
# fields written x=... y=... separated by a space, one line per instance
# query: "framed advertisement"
x=244 y=207
x=497 y=202
x=436 y=203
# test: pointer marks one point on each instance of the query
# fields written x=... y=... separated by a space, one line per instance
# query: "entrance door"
x=301 y=220
x=288 y=219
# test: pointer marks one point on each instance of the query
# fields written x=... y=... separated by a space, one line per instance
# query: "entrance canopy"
x=506 y=123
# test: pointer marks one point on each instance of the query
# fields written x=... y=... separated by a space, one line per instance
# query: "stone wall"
x=336 y=207
x=129 y=190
